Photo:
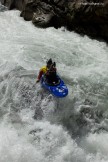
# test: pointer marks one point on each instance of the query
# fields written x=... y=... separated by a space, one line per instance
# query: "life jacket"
x=42 y=71
x=46 y=71
x=51 y=71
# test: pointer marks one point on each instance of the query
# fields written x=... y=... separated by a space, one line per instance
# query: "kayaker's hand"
x=37 y=81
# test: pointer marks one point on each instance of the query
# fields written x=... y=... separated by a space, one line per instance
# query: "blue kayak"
x=58 y=89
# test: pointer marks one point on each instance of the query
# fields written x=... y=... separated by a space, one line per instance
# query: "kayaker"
x=49 y=71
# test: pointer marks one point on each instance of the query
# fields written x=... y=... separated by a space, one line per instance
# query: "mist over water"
x=34 y=125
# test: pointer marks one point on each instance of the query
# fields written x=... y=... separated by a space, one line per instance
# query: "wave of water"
x=35 y=126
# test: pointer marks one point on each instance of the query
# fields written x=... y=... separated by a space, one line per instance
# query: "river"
x=36 y=126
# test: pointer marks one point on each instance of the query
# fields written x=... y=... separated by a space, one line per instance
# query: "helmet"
x=49 y=62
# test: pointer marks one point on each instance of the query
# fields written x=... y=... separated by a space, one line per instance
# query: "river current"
x=36 y=126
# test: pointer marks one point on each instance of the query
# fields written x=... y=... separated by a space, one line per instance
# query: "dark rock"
x=83 y=16
x=3 y=8
x=11 y=4
x=42 y=20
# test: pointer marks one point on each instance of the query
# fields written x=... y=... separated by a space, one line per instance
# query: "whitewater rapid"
x=34 y=125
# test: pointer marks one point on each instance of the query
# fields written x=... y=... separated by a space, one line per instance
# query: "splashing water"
x=35 y=126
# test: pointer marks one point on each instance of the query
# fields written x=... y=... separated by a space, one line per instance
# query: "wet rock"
x=83 y=16
x=11 y=4
x=41 y=20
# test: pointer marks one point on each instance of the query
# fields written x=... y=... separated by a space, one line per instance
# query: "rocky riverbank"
x=83 y=16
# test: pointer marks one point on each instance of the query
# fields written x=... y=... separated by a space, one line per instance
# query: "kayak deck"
x=58 y=89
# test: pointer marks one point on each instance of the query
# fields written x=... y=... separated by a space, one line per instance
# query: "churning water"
x=34 y=125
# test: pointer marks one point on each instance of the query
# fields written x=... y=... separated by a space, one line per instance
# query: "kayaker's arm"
x=39 y=76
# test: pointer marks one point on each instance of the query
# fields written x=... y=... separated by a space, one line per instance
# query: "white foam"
x=82 y=63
